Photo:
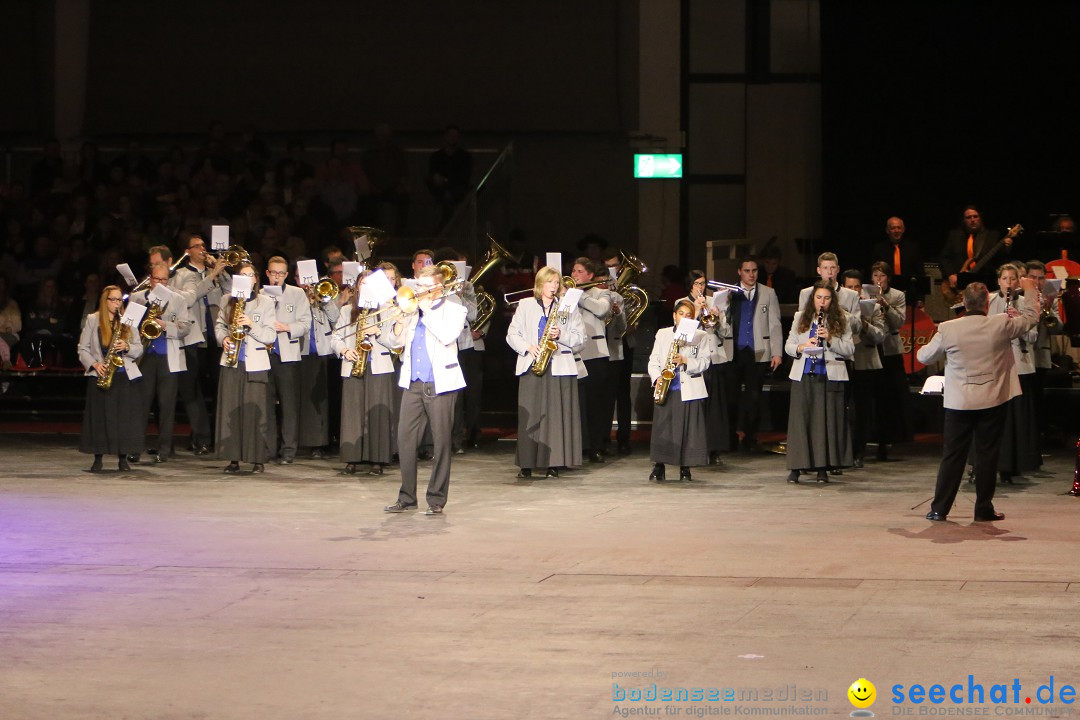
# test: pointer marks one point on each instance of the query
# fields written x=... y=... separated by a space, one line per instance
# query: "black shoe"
x=257 y=468
x=96 y=467
x=714 y=459
x=1006 y=478
x=857 y=463
x=202 y=450
x=433 y=510
x=882 y=453
x=822 y=477
x=134 y=458
x=793 y=477
x=318 y=454
x=990 y=518
x=935 y=516
x=624 y=448
x=525 y=473
x=836 y=471
x=376 y=469
x=552 y=472
x=233 y=467
x=596 y=457
x=684 y=474
x=657 y=473
x=284 y=461
x=350 y=469
x=425 y=455
x=122 y=465
x=398 y=507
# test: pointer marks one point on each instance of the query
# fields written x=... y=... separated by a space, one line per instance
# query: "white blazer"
x=261 y=333
x=867 y=340
x=719 y=353
x=837 y=350
x=894 y=320
x=595 y=307
x=291 y=309
x=443 y=326
x=697 y=351
x=524 y=332
x=324 y=317
x=615 y=329
x=90 y=351
x=195 y=286
x=466 y=297
x=379 y=359
x=178 y=323
x=1023 y=347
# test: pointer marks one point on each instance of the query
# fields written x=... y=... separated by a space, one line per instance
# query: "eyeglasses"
x=116 y=299
x=277 y=273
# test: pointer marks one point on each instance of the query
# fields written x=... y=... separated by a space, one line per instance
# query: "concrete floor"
x=178 y=592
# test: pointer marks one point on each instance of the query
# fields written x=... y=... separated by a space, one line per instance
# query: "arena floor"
x=176 y=591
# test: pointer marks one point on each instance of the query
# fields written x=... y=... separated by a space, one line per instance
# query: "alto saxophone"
x=548 y=346
x=236 y=333
x=667 y=375
x=112 y=358
x=363 y=346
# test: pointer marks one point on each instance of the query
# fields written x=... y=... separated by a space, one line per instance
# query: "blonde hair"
x=543 y=275
x=105 y=319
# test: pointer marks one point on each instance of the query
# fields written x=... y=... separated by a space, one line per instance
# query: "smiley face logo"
x=862 y=693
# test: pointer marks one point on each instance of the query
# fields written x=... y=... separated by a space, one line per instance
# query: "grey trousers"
x=422 y=408
x=158 y=382
x=285 y=388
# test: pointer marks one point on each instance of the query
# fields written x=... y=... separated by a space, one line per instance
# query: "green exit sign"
x=658 y=166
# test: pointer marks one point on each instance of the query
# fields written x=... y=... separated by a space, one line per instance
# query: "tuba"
x=152 y=328
x=375 y=238
x=667 y=375
x=485 y=303
x=112 y=359
x=636 y=300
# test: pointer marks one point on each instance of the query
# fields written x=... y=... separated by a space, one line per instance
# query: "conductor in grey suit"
x=979 y=382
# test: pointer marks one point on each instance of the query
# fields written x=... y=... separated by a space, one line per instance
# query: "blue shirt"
x=814 y=365
x=421 y=363
x=158 y=346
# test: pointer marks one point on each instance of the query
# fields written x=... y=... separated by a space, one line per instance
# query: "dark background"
x=930 y=106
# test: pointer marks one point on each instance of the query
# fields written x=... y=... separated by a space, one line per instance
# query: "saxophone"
x=112 y=359
x=663 y=383
x=236 y=333
x=363 y=346
x=152 y=328
x=548 y=346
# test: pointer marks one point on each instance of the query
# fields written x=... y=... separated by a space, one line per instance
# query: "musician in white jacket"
x=820 y=341
x=430 y=375
x=246 y=428
x=678 y=428
x=111 y=420
x=549 y=419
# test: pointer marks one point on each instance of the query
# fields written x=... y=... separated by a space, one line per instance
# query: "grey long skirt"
x=112 y=421
x=369 y=411
x=678 y=432
x=549 y=421
x=817 y=435
x=245 y=420
x=1020 y=436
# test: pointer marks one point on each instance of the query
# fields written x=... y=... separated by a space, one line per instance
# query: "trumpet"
x=324 y=291
x=232 y=257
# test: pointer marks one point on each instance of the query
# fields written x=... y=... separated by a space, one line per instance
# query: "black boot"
x=684 y=473
x=96 y=467
x=657 y=473
x=122 y=464
x=793 y=477
x=822 y=477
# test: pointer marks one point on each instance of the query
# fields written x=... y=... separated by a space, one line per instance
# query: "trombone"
x=567 y=283
x=172 y=268
x=407 y=301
